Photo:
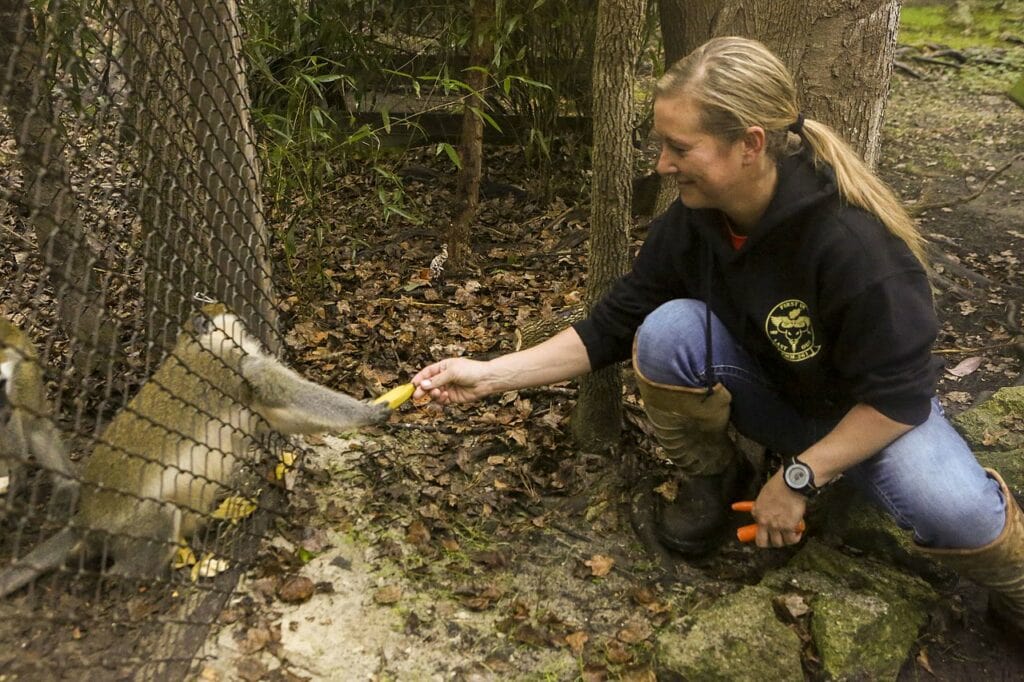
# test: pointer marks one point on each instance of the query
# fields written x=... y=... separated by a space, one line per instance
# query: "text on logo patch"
x=789 y=328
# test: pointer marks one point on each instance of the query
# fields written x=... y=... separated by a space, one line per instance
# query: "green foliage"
x=381 y=53
x=939 y=23
x=73 y=46
x=334 y=85
x=342 y=87
x=290 y=85
x=391 y=194
x=551 y=42
x=984 y=29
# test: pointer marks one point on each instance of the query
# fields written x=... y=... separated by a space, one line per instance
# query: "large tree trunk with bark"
x=471 y=148
x=202 y=217
x=598 y=418
x=169 y=200
x=72 y=264
x=840 y=53
x=228 y=166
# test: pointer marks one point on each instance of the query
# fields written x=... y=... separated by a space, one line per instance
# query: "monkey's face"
x=7 y=363
x=14 y=345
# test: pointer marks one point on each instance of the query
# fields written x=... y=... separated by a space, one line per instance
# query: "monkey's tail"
x=43 y=559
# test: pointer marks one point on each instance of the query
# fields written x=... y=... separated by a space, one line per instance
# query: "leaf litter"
x=470 y=524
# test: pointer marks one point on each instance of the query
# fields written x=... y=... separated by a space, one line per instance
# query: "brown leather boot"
x=690 y=424
x=998 y=566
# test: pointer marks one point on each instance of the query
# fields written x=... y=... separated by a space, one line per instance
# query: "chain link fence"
x=129 y=197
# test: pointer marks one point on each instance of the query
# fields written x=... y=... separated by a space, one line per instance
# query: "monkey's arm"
x=45 y=443
x=47 y=446
x=292 y=404
x=27 y=428
x=46 y=557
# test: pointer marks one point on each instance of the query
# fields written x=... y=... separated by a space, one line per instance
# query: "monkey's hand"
x=64 y=498
x=379 y=412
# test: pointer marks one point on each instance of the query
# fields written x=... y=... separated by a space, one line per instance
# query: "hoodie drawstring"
x=709 y=369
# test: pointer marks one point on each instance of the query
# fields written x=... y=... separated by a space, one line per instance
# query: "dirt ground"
x=944 y=141
x=948 y=136
x=494 y=549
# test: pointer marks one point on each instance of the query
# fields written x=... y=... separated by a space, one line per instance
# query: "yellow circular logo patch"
x=789 y=327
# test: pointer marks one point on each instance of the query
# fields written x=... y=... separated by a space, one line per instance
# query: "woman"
x=785 y=292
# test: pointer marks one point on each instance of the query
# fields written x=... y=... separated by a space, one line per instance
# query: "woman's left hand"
x=778 y=511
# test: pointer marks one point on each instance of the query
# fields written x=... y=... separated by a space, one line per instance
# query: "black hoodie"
x=834 y=307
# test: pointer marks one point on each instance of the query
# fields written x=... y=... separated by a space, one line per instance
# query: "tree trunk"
x=840 y=54
x=228 y=165
x=679 y=30
x=169 y=198
x=597 y=421
x=70 y=261
x=202 y=217
x=471 y=148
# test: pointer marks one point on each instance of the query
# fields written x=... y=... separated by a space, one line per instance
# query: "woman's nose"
x=664 y=166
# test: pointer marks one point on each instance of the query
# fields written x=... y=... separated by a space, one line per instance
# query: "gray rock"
x=737 y=638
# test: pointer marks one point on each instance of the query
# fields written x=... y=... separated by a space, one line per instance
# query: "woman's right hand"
x=461 y=380
x=453 y=380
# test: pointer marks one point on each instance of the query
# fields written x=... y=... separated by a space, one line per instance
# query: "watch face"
x=797 y=476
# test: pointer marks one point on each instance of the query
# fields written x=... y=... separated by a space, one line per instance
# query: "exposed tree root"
x=956 y=201
x=905 y=68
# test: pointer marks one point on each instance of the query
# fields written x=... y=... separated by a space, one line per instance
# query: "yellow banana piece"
x=396 y=396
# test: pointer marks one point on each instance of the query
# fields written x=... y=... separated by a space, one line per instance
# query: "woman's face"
x=710 y=172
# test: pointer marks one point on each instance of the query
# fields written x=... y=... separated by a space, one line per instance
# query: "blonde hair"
x=738 y=82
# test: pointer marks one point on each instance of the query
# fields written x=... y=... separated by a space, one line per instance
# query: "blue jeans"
x=928 y=479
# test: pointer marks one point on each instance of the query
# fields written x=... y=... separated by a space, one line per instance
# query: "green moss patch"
x=737 y=638
x=986 y=23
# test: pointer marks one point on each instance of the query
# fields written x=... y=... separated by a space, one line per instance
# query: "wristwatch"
x=799 y=477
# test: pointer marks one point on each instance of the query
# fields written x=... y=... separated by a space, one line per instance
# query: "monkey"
x=163 y=460
x=26 y=427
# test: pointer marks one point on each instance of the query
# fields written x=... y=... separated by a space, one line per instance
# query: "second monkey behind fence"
x=165 y=459
x=26 y=429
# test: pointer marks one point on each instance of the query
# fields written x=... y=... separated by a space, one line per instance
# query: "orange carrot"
x=748 y=533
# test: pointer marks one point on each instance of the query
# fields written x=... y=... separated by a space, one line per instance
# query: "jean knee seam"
x=735 y=372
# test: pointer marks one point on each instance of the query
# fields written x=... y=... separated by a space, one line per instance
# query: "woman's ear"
x=753 y=143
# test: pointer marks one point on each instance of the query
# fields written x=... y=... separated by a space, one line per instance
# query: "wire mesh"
x=129 y=195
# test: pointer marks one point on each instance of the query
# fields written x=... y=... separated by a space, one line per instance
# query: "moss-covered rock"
x=1009 y=464
x=860 y=636
x=997 y=423
x=865 y=615
x=994 y=430
x=857 y=522
x=737 y=638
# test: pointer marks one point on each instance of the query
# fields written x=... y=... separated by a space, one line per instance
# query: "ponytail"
x=861 y=187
